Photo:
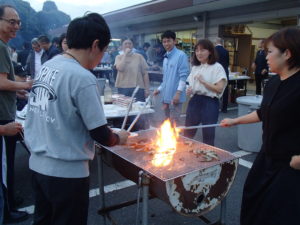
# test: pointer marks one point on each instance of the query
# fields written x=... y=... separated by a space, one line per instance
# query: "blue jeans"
x=205 y=110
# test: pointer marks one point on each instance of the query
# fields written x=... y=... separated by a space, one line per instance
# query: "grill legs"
x=145 y=187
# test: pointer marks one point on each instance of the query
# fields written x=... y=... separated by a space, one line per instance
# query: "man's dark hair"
x=83 y=31
x=61 y=38
x=168 y=34
x=44 y=39
x=26 y=45
x=287 y=38
x=208 y=45
x=55 y=40
x=146 y=45
x=125 y=38
x=3 y=7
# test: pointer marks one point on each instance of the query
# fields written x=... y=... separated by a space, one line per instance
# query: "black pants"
x=205 y=110
x=225 y=100
x=10 y=144
x=60 y=201
x=258 y=80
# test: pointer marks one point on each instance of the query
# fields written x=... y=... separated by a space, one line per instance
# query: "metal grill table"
x=191 y=185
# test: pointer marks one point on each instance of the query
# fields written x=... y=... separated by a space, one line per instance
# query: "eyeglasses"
x=12 y=22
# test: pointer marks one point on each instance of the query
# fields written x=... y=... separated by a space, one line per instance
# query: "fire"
x=165 y=144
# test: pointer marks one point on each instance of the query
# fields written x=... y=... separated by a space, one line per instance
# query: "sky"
x=76 y=8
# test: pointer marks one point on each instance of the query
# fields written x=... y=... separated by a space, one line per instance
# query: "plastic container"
x=101 y=84
x=249 y=135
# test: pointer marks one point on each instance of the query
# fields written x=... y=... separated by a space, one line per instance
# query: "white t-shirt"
x=37 y=61
x=63 y=106
x=211 y=74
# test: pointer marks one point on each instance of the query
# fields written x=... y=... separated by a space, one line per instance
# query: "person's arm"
x=183 y=74
x=121 y=63
x=249 y=118
x=145 y=76
x=105 y=136
x=28 y=66
x=10 y=129
x=146 y=83
x=8 y=85
x=295 y=162
x=217 y=87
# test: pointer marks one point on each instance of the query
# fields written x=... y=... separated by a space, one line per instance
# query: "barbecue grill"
x=196 y=180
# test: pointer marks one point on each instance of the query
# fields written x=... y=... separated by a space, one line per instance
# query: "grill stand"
x=144 y=185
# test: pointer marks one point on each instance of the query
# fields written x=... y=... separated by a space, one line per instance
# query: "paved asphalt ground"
x=119 y=189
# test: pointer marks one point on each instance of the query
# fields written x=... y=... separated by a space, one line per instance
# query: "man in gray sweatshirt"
x=65 y=108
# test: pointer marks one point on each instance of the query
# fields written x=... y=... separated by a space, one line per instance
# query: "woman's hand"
x=227 y=122
x=127 y=51
x=295 y=162
x=199 y=77
x=189 y=91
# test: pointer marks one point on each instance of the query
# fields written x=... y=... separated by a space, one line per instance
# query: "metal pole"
x=223 y=212
x=145 y=185
x=101 y=180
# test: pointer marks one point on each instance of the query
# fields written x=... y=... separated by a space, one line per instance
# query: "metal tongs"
x=129 y=107
x=141 y=111
x=199 y=126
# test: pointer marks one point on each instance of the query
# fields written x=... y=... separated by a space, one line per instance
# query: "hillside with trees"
x=36 y=23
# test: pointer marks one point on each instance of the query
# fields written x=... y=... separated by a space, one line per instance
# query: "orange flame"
x=165 y=144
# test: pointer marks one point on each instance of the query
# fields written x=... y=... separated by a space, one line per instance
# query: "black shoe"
x=15 y=216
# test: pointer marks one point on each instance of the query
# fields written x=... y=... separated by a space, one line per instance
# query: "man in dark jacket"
x=36 y=58
x=223 y=59
x=23 y=54
x=260 y=66
x=48 y=47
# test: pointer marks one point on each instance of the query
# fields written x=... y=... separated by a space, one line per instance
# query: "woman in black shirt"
x=271 y=192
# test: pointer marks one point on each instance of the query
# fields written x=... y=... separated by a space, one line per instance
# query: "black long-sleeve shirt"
x=280 y=114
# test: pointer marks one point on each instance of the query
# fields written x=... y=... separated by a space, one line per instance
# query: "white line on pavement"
x=127 y=183
x=241 y=153
x=245 y=163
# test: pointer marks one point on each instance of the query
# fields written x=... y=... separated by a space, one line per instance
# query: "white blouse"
x=211 y=74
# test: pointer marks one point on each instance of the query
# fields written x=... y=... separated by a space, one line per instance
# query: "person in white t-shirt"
x=207 y=82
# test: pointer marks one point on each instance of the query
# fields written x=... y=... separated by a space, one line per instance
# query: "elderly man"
x=36 y=58
x=9 y=25
x=50 y=49
x=65 y=104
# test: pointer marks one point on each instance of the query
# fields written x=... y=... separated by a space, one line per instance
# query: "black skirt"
x=271 y=193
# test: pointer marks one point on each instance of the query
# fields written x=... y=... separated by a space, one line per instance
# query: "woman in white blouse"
x=207 y=82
